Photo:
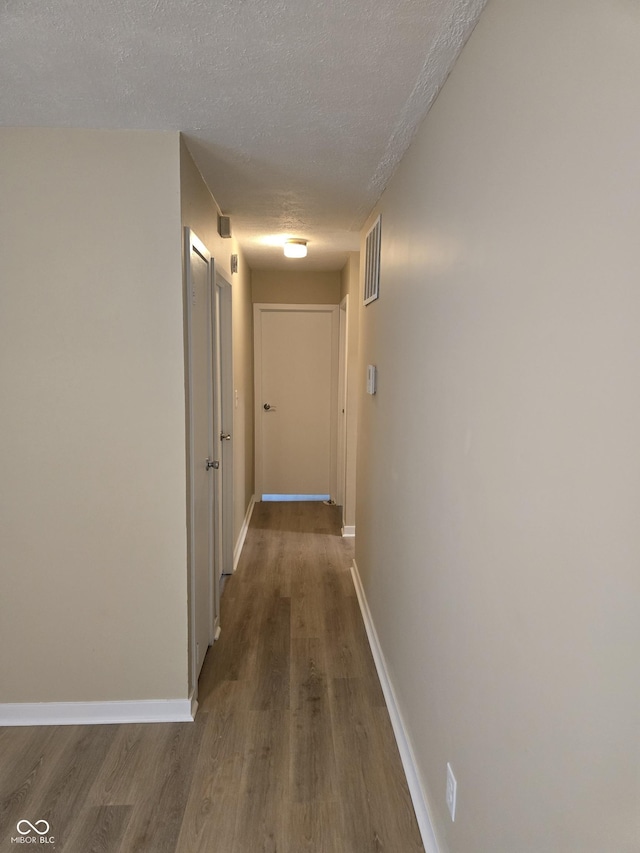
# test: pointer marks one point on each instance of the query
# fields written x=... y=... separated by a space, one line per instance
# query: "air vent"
x=224 y=226
x=372 y=263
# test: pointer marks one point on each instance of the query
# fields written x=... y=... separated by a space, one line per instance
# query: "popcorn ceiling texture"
x=296 y=112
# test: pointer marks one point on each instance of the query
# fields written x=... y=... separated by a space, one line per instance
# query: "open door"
x=223 y=424
x=203 y=585
x=343 y=348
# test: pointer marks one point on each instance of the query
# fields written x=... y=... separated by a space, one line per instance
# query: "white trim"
x=341 y=412
x=349 y=530
x=416 y=788
x=98 y=713
x=243 y=533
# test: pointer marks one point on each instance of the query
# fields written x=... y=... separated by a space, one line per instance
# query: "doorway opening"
x=296 y=397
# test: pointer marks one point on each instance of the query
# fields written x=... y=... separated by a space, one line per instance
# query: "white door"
x=223 y=427
x=225 y=401
x=203 y=589
x=341 y=488
x=296 y=369
x=217 y=439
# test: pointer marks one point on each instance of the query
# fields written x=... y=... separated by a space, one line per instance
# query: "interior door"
x=204 y=590
x=224 y=327
x=220 y=438
x=343 y=346
x=296 y=349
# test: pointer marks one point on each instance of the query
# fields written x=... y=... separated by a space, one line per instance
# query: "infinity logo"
x=33 y=827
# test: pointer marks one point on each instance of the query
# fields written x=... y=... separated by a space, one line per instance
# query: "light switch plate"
x=372 y=378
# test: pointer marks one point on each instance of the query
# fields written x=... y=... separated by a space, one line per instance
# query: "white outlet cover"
x=452 y=789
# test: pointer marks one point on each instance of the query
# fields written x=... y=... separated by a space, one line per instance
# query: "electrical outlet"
x=452 y=787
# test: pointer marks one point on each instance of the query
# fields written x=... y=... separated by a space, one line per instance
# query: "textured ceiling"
x=296 y=111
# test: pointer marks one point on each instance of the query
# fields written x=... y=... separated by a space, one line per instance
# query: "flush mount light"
x=295 y=249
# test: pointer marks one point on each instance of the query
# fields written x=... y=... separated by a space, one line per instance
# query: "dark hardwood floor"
x=292 y=750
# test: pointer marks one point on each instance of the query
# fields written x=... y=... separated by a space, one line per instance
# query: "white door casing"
x=343 y=349
x=296 y=377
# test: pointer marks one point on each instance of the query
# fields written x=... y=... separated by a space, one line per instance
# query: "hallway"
x=292 y=749
x=299 y=754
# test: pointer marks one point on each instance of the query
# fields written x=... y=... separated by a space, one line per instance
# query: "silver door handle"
x=212 y=463
x=225 y=436
x=269 y=408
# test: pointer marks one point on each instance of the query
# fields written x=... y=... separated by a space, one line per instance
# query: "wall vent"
x=224 y=226
x=372 y=263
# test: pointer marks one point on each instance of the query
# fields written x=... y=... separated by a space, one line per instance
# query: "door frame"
x=223 y=324
x=192 y=242
x=343 y=364
x=259 y=309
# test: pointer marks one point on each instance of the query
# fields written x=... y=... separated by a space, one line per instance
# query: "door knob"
x=266 y=407
x=225 y=436
x=212 y=463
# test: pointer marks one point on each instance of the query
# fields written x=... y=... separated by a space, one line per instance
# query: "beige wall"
x=350 y=286
x=92 y=418
x=200 y=213
x=290 y=286
x=498 y=535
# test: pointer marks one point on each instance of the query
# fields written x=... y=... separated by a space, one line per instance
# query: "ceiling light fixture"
x=295 y=249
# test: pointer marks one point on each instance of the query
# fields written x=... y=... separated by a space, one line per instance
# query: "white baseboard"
x=418 y=796
x=243 y=533
x=97 y=713
x=349 y=530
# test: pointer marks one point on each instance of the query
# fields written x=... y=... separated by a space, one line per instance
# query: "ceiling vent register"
x=372 y=262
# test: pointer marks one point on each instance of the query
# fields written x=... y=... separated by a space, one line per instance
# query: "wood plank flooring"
x=292 y=750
